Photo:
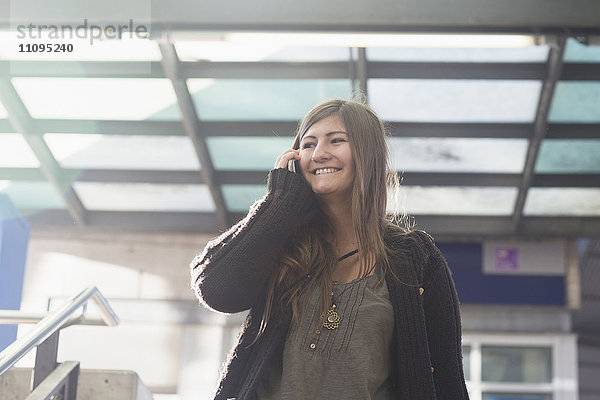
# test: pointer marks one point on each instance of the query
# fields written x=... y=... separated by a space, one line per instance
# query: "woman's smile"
x=323 y=171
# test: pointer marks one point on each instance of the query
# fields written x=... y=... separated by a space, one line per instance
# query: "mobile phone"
x=292 y=165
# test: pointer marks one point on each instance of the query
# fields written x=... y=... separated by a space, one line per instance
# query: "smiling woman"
x=326 y=159
x=343 y=302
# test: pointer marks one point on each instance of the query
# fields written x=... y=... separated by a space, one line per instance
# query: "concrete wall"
x=165 y=336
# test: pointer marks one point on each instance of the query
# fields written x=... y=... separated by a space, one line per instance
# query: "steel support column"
x=170 y=63
x=555 y=62
x=362 y=70
x=45 y=359
x=22 y=122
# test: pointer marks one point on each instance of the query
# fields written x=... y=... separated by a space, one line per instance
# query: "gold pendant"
x=332 y=321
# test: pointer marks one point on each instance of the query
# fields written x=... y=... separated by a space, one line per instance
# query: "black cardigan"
x=231 y=276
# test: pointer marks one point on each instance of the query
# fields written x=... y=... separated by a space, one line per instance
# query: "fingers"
x=285 y=157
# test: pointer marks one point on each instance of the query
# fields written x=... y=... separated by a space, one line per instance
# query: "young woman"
x=344 y=304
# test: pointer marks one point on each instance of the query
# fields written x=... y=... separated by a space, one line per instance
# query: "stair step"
x=93 y=384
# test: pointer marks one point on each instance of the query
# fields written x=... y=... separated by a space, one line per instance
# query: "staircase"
x=49 y=380
x=92 y=385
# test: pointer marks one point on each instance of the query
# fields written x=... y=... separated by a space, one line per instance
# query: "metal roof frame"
x=245 y=177
x=555 y=63
x=170 y=65
x=357 y=69
x=265 y=128
x=21 y=121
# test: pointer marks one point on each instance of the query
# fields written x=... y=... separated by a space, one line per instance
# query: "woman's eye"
x=307 y=145
x=338 y=140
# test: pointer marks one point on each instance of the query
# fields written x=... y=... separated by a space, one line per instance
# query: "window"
x=520 y=366
x=516 y=364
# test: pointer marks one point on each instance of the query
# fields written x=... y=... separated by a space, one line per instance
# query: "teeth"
x=325 y=171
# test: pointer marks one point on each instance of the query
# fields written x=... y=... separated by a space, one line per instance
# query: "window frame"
x=564 y=380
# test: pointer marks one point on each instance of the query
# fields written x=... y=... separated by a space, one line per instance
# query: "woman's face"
x=326 y=158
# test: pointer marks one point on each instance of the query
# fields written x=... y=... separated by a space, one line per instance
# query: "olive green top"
x=352 y=361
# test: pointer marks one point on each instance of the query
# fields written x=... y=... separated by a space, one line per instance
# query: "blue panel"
x=465 y=261
x=14 y=236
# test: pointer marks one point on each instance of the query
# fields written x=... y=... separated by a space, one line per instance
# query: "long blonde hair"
x=308 y=258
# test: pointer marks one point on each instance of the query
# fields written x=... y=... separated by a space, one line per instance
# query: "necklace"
x=332 y=320
x=348 y=254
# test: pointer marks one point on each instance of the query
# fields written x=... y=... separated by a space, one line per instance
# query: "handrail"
x=53 y=322
x=15 y=317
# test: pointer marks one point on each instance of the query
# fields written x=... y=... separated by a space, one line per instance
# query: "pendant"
x=332 y=321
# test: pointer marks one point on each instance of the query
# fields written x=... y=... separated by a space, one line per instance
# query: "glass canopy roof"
x=3 y=113
x=32 y=196
x=98 y=98
x=459 y=100
x=458 y=154
x=463 y=123
x=436 y=200
x=15 y=152
x=144 y=197
x=96 y=151
x=262 y=99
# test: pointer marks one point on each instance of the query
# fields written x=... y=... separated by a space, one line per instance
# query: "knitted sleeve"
x=233 y=270
x=442 y=319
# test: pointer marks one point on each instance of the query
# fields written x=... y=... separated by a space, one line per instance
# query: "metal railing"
x=44 y=336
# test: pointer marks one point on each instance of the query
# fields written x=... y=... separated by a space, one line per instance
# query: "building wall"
x=589 y=370
x=164 y=335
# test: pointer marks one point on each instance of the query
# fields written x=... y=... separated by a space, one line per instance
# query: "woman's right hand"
x=285 y=157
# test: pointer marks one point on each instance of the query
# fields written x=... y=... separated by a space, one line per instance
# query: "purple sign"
x=507 y=259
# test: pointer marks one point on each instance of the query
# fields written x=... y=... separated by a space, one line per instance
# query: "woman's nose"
x=320 y=153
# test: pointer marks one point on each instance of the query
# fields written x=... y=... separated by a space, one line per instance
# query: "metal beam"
x=60 y=383
x=136 y=176
x=264 y=70
x=312 y=15
x=409 y=178
x=287 y=128
x=555 y=62
x=531 y=227
x=566 y=180
x=169 y=128
x=45 y=359
x=454 y=70
x=245 y=177
x=457 y=226
x=299 y=70
x=86 y=69
x=21 y=174
x=459 y=179
x=573 y=131
x=170 y=64
x=362 y=69
x=129 y=221
x=23 y=123
x=352 y=74
x=580 y=72
x=460 y=130
x=108 y=127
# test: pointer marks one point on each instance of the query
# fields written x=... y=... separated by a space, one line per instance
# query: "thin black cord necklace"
x=349 y=254
x=332 y=320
